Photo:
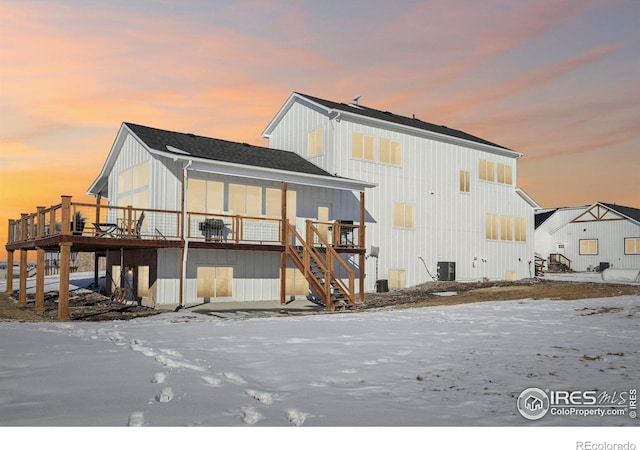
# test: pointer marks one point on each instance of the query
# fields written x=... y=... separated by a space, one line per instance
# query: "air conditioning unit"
x=446 y=271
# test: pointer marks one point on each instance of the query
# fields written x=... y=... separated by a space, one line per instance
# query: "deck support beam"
x=9 y=288
x=22 y=293
x=39 y=279
x=63 y=295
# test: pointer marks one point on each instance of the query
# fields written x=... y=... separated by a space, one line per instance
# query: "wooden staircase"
x=559 y=263
x=318 y=261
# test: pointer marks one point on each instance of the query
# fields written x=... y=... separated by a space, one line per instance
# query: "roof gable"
x=187 y=144
x=385 y=116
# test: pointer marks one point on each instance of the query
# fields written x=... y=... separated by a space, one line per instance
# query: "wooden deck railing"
x=126 y=222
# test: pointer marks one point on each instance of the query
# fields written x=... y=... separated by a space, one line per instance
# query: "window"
x=397 y=279
x=491 y=226
x=363 y=147
x=274 y=204
x=465 y=181
x=390 y=152
x=506 y=228
x=521 y=229
x=505 y=174
x=215 y=282
x=295 y=283
x=588 y=246
x=632 y=246
x=315 y=142
x=143 y=281
x=403 y=215
x=511 y=276
x=486 y=170
x=133 y=186
x=205 y=196
x=246 y=200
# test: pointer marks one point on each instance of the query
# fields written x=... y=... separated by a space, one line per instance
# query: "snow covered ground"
x=461 y=365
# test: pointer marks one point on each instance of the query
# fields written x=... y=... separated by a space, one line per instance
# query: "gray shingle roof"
x=632 y=213
x=225 y=151
x=400 y=120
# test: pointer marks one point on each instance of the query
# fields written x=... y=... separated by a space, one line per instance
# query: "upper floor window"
x=315 y=142
x=505 y=174
x=404 y=215
x=486 y=170
x=133 y=186
x=465 y=181
x=390 y=152
x=246 y=200
x=205 y=196
x=363 y=147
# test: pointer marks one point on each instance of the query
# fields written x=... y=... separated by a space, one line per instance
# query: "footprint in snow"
x=250 y=416
x=165 y=396
x=296 y=418
x=211 y=381
x=159 y=377
x=234 y=378
x=171 y=352
x=136 y=419
x=263 y=397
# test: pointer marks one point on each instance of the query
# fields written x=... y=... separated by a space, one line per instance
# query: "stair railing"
x=304 y=264
x=314 y=235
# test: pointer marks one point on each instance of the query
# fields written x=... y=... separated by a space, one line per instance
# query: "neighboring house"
x=446 y=204
x=587 y=238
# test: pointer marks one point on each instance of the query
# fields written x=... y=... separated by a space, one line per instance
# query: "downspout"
x=185 y=234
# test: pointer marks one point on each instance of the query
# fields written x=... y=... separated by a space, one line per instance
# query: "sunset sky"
x=557 y=80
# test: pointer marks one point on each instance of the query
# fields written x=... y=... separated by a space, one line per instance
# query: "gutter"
x=185 y=223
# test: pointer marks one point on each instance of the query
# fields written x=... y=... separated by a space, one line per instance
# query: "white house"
x=444 y=199
x=192 y=219
x=586 y=238
x=211 y=212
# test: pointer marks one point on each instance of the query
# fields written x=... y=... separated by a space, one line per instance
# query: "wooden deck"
x=82 y=227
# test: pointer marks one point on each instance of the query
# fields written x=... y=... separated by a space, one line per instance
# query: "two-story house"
x=446 y=204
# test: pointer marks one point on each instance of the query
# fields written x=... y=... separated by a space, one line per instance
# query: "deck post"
x=361 y=244
x=9 y=288
x=98 y=201
x=23 y=227
x=63 y=297
x=283 y=278
x=11 y=237
x=66 y=214
x=40 y=222
x=22 y=294
x=39 y=278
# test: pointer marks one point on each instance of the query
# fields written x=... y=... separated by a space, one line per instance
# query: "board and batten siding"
x=610 y=235
x=449 y=224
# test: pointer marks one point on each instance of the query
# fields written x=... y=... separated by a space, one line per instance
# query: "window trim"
x=580 y=252
x=637 y=245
